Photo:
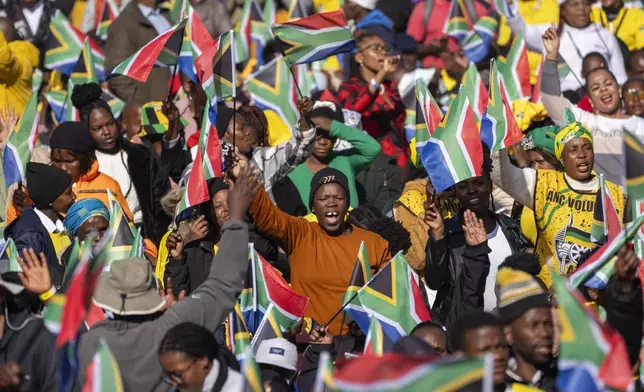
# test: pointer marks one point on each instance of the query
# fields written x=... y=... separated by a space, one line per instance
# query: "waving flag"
x=272 y=88
x=398 y=372
x=606 y=222
x=359 y=277
x=428 y=115
x=264 y=286
x=634 y=152
x=314 y=38
x=109 y=12
x=138 y=246
x=162 y=51
x=196 y=40
x=84 y=71
x=268 y=328
x=242 y=31
x=119 y=239
x=252 y=375
x=296 y=10
x=65 y=44
x=392 y=296
x=9 y=257
x=375 y=341
x=515 y=70
x=459 y=22
x=21 y=142
x=596 y=271
x=592 y=356
x=475 y=89
x=499 y=128
x=103 y=373
x=268 y=14
x=53 y=313
x=237 y=335
x=536 y=91
x=477 y=42
x=502 y=7
x=115 y=103
x=177 y=9
x=454 y=153
x=324 y=374
x=216 y=67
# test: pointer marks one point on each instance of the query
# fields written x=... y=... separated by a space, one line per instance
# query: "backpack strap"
x=221 y=377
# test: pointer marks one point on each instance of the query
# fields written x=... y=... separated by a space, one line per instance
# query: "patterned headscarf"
x=81 y=211
x=572 y=130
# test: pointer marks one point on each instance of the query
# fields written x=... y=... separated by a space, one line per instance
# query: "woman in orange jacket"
x=72 y=150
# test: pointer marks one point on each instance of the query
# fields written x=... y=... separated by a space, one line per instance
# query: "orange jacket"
x=93 y=184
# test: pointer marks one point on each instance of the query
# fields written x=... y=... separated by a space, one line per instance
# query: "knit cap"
x=74 y=136
x=45 y=183
x=328 y=175
x=517 y=292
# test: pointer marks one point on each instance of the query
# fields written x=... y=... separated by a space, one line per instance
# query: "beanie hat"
x=328 y=175
x=45 y=183
x=368 y=4
x=215 y=185
x=74 y=136
x=517 y=292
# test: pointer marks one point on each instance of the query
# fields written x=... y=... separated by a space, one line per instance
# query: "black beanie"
x=215 y=185
x=72 y=135
x=329 y=175
x=45 y=183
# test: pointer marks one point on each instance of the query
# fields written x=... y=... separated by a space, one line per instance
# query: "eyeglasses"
x=377 y=48
x=633 y=93
x=174 y=378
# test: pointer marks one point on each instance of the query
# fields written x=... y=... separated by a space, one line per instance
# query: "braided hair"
x=87 y=97
x=191 y=339
x=255 y=117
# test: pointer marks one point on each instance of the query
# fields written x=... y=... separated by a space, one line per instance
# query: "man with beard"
x=524 y=309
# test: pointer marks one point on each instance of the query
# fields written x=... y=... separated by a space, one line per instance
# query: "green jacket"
x=350 y=162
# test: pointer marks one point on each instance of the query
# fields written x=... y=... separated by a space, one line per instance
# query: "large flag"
x=21 y=142
x=264 y=286
x=499 y=128
x=65 y=44
x=397 y=372
x=592 y=356
x=109 y=12
x=393 y=296
x=515 y=70
x=272 y=88
x=216 y=67
x=428 y=115
x=195 y=41
x=162 y=51
x=606 y=222
x=600 y=266
x=103 y=373
x=237 y=335
x=252 y=375
x=454 y=153
x=476 y=91
x=314 y=38
x=268 y=328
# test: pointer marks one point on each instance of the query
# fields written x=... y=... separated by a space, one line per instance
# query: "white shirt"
x=156 y=19
x=500 y=250
x=33 y=16
x=234 y=381
x=115 y=166
x=50 y=226
x=575 y=44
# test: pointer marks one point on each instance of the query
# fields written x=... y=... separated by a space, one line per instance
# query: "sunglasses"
x=633 y=93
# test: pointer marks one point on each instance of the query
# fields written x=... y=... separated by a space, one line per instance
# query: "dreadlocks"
x=254 y=117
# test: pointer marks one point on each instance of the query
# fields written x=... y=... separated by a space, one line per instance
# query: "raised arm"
x=365 y=148
x=531 y=33
x=516 y=182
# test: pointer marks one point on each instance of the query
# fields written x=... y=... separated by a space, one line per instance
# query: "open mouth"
x=332 y=217
x=607 y=99
x=583 y=167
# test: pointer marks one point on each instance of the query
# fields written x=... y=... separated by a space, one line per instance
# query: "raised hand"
x=198 y=228
x=474 y=229
x=390 y=64
x=305 y=106
x=174 y=243
x=235 y=161
x=551 y=43
x=20 y=198
x=242 y=191
x=35 y=273
x=8 y=122
x=320 y=335
x=626 y=264
x=434 y=220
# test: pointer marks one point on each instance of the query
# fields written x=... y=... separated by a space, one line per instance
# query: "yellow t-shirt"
x=564 y=219
x=628 y=26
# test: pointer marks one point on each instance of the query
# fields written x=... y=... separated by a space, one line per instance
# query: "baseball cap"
x=277 y=352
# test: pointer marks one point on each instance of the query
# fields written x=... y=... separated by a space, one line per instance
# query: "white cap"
x=277 y=352
x=368 y=4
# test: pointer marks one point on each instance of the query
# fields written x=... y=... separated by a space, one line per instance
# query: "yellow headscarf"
x=573 y=130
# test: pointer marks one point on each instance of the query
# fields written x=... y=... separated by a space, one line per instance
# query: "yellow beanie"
x=517 y=292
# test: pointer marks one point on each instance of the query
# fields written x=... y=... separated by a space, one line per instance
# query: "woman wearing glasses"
x=372 y=95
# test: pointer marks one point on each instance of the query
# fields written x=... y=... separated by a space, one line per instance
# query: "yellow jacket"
x=18 y=59
x=627 y=26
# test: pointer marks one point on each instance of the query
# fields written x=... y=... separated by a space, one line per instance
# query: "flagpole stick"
x=290 y=68
x=174 y=73
x=341 y=309
x=234 y=122
x=337 y=347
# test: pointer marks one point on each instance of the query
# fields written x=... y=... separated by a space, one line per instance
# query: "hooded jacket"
x=458 y=271
x=135 y=343
x=32 y=347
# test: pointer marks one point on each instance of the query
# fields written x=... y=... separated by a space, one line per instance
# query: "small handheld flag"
x=21 y=142
x=216 y=67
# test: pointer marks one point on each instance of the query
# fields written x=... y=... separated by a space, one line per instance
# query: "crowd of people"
x=344 y=178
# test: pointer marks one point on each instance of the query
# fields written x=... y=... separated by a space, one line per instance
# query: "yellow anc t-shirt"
x=564 y=220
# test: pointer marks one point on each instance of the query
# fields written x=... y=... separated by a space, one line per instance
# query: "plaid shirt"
x=381 y=112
